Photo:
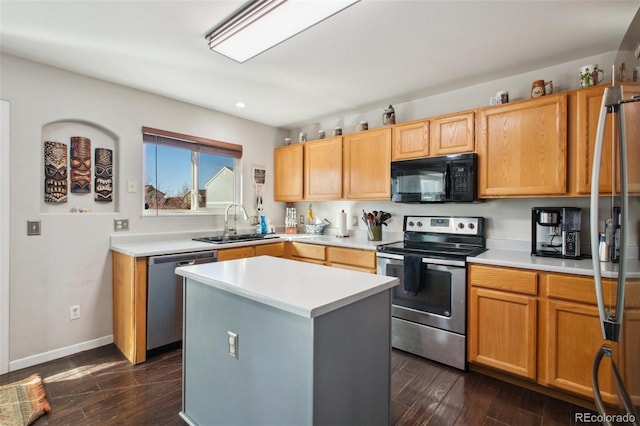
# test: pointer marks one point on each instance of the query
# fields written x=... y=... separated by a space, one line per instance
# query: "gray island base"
x=312 y=344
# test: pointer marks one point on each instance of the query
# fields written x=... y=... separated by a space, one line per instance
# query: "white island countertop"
x=300 y=288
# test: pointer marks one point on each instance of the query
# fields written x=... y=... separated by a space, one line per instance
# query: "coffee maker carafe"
x=555 y=231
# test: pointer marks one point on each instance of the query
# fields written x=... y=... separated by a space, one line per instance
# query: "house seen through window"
x=185 y=173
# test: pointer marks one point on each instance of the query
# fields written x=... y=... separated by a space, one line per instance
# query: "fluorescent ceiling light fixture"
x=261 y=24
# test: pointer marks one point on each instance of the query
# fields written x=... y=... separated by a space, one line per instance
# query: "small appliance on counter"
x=555 y=231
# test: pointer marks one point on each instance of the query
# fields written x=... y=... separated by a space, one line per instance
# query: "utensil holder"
x=375 y=234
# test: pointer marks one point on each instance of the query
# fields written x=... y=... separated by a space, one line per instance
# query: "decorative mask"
x=80 y=164
x=104 y=175
x=55 y=172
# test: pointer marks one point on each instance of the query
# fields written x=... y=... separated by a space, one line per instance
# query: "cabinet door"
x=130 y=306
x=630 y=365
x=323 y=169
x=585 y=119
x=359 y=260
x=410 y=140
x=522 y=148
x=235 y=253
x=452 y=134
x=275 y=249
x=367 y=165
x=287 y=181
x=574 y=337
x=502 y=331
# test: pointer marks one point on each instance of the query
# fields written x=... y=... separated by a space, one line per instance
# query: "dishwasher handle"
x=184 y=259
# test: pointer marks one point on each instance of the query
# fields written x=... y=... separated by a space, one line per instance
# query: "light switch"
x=33 y=227
x=232 y=340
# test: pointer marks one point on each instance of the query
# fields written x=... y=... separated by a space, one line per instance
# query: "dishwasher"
x=164 y=295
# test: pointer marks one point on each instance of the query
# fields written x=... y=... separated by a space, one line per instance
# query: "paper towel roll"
x=342 y=224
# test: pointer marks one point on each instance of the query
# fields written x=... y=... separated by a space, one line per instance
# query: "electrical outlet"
x=74 y=312
x=131 y=186
x=33 y=227
x=301 y=219
x=354 y=220
x=254 y=220
x=120 y=224
x=233 y=344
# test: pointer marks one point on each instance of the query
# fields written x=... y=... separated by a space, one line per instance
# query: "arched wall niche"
x=62 y=131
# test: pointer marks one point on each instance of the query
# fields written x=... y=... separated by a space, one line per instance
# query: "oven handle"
x=428 y=260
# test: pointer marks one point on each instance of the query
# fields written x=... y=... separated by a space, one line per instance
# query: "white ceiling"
x=374 y=53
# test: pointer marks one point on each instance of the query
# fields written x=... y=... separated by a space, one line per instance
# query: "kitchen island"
x=275 y=341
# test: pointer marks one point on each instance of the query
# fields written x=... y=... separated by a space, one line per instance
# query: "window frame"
x=195 y=145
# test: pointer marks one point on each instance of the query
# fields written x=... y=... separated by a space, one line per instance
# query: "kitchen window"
x=189 y=174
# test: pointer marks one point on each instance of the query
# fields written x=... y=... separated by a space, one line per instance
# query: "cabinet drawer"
x=235 y=253
x=275 y=249
x=310 y=251
x=506 y=279
x=582 y=289
x=362 y=258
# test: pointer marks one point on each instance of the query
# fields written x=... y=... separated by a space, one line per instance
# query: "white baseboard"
x=59 y=353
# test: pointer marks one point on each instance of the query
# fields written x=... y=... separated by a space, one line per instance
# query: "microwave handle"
x=447 y=181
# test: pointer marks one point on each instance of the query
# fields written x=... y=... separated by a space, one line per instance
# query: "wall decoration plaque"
x=103 y=183
x=55 y=172
x=80 y=164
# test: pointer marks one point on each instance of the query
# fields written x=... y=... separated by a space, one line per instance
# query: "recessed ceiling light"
x=261 y=24
x=240 y=104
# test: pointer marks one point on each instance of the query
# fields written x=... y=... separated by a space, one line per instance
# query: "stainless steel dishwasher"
x=164 y=295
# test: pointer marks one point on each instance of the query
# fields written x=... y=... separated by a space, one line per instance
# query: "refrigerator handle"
x=611 y=321
x=593 y=208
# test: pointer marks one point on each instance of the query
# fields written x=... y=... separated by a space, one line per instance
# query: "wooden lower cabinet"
x=130 y=306
x=235 y=253
x=355 y=259
x=573 y=339
x=305 y=252
x=504 y=334
x=502 y=320
x=550 y=333
x=273 y=249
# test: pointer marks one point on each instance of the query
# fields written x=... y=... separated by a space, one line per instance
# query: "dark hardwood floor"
x=101 y=387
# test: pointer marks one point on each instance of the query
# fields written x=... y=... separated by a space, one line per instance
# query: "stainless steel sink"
x=235 y=238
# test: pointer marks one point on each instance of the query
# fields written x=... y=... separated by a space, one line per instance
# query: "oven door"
x=441 y=301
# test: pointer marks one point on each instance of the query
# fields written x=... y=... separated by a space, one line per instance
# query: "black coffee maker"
x=555 y=231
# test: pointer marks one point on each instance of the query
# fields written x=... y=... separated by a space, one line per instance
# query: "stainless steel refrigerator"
x=612 y=245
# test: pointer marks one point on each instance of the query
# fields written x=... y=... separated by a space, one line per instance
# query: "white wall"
x=70 y=263
x=507 y=219
x=5 y=192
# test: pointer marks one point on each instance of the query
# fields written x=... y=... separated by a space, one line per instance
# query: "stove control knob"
x=411 y=223
x=471 y=226
x=419 y=223
x=461 y=225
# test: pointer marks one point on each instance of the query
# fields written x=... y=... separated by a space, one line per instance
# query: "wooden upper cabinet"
x=288 y=178
x=410 y=140
x=453 y=134
x=367 y=164
x=585 y=105
x=323 y=169
x=522 y=148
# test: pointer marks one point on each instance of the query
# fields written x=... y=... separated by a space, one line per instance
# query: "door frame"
x=5 y=239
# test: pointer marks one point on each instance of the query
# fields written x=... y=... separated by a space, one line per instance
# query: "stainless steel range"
x=429 y=306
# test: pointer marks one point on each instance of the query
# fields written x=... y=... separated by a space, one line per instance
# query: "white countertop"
x=154 y=245
x=301 y=288
x=523 y=259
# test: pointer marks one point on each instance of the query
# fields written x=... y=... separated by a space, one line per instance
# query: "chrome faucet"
x=232 y=231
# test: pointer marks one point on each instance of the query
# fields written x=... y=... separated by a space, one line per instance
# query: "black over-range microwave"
x=450 y=178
